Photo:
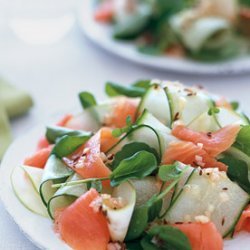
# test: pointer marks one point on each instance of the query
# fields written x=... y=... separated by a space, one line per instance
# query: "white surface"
x=101 y=34
x=55 y=74
x=37 y=228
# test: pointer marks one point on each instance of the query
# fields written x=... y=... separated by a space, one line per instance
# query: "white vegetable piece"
x=119 y=218
x=25 y=182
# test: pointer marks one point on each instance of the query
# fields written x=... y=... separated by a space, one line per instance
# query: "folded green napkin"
x=5 y=133
x=13 y=102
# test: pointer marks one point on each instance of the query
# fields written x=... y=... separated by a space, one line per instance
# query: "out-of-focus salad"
x=159 y=165
x=205 y=30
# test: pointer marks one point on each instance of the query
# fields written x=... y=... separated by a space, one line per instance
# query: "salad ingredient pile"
x=205 y=30
x=158 y=165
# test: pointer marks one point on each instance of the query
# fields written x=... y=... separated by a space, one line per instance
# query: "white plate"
x=38 y=229
x=101 y=35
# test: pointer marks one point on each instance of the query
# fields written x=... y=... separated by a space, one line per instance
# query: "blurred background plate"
x=101 y=34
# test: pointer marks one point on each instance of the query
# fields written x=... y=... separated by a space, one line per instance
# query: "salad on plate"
x=159 y=165
x=204 y=30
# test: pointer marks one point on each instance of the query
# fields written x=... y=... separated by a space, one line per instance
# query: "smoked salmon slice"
x=105 y=11
x=190 y=153
x=202 y=236
x=107 y=139
x=223 y=103
x=39 y=158
x=88 y=160
x=244 y=221
x=123 y=107
x=213 y=143
x=81 y=227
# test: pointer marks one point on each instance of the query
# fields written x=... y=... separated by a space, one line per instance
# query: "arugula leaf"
x=144 y=84
x=245 y=3
x=165 y=237
x=87 y=99
x=235 y=105
x=238 y=171
x=138 y=222
x=53 y=133
x=68 y=144
x=130 y=149
x=243 y=140
x=139 y=165
x=169 y=172
x=134 y=245
x=213 y=111
x=154 y=207
x=113 y=89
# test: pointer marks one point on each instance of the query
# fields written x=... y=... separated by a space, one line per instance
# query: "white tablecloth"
x=55 y=74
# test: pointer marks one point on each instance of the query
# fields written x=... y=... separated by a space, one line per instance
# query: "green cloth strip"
x=15 y=101
x=5 y=133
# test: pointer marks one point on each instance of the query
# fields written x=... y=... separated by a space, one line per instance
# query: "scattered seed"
x=223 y=221
x=209 y=134
x=225 y=188
x=178 y=222
x=177 y=116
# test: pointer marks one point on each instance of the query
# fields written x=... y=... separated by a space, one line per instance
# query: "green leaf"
x=243 y=140
x=245 y=3
x=147 y=244
x=130 y=149
x=238 y=171
x=68 y=144
x=166 y=237
x=133 y=245
x=113 y=89
x=139 y=165
x=213 y=110
x=155 y=207
x=144 y=84
x=87 y=99
x=169 y=172
x=138 y=223
x=235 y=105
x=53 y=133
